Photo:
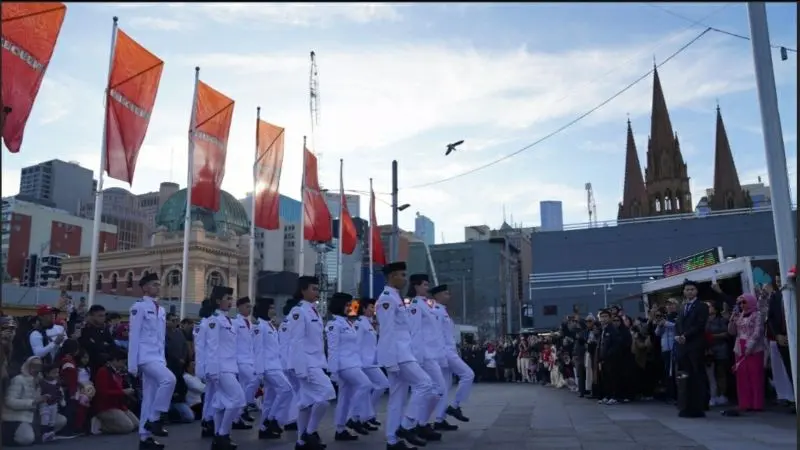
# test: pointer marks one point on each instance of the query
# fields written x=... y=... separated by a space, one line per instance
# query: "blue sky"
x=400 y=81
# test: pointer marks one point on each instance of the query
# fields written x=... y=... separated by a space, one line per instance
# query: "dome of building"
x=231 y=216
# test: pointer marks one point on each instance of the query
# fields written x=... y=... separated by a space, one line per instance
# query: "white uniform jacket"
x=220 y=345
x=448 y=328
x=394 y=344
x=245 y=340
x=200 y=348
x=343 y=351
x=426 y=331
x=367 y=342
x=306 y=345
x=268 y=346
x=146 y=334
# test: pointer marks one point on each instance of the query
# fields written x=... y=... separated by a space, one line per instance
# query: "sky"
x=400 y=81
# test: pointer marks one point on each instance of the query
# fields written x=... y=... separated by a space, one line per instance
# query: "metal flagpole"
x=98 y=199
x=251 y=277
x=301 y=258
x=371 y=244
x=776 y=168
x=341 y=233
x=187 y=218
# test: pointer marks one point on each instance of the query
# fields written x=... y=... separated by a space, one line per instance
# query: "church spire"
x=728 y=193
x=634 y=197
x=660 y=124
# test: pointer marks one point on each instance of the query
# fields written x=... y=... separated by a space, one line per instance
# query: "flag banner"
x=269 y=161
x=378 y=255
x=349 y=236
x=132 y=88
x=29 y=35
x=213 y=114
x=317 y=226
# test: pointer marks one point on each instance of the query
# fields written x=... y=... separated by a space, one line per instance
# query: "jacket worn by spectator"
x=611 y=344
x=98 y=343
x=110 y=391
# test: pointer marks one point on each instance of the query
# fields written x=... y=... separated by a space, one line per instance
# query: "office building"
x=351 y=264
x=271 y=245
x=151 y=202
x=424 y=229
x=32 y=232
x=121 y=209
x=59 y=184
x=551 y=215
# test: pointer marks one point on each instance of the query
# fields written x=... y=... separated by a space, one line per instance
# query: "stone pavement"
x=526 y=417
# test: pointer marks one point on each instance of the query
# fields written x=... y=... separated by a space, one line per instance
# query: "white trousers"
x=315 y=387
x=366 y=410
x=425 y=410
x=354 y=389
x=455 y=366
x=277 y=395
x=289 y=415
x=780 y=375
x=158 y=384
x=249 y=382
x=208 y=400
x=407 y=374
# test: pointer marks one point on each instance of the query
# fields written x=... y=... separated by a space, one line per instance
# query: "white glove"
x=335 y=377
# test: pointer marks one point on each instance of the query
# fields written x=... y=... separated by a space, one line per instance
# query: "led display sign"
x=700 y=260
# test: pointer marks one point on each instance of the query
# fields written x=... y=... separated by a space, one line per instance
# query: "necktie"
x=247 y=322
x=686 y=309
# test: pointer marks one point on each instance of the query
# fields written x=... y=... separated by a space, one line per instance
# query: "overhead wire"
x=568 y=124
x=714 y=29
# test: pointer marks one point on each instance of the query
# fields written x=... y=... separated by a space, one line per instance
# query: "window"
x=99 y=284
x=550 y=310
x=130 y=280
x=69 y=283
x=658 y=205
x=114 y=277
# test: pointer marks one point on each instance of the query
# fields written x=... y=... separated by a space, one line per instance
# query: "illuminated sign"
x=700 y=260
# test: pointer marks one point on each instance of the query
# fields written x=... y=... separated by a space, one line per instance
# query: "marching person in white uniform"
x=455 y=365
x=245 y=359
x=307 y=361
x=146 y=348
x=222 y=367
x=289 y=415
x=277 y=390
x=428 y=346
x=344 y=365
x=207 y=308
x=394 y=353
x=368 y=345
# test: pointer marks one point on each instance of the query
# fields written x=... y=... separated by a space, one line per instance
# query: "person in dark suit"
x=691 y=348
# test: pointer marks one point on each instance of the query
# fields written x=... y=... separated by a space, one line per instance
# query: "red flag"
x=317 y=219
x=212 y=120
x=378 y=256
x=269 y=160
x=29 y=35
x=132 y=88
x=347 y=233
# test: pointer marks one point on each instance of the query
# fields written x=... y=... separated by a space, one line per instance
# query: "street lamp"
x=606 y=290
x=403 y=207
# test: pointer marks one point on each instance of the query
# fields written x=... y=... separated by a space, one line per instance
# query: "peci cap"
x=418 y=278
x=218 y=292
x=341 y=297
x=306 y=280
x=397 y=266
x=438 y=289
x=147 y=279
x=242 y=301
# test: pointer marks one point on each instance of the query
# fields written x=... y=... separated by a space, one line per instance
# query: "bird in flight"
x=452 y=147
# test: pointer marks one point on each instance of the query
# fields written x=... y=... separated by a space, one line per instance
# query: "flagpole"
x=341 y=215
x=98 y=199
x=300 y=259
x=371 y=264
x=187 y=218
x=252 y=272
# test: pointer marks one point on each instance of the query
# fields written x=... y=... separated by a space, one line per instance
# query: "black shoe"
x=268 y=434
x=223 y=443
x=150 y=444
x=274 y=426
x=156 y=428
x=290 y=426
x=411 y=437
x=344 y=436
x=207 y=429
x=374 y=422
x=426 y=432
x=457 y=414
x=444 y=426
x=246 y=416
x=691 y=414
x=241 y=425
x=358 y=427
x=314 y=440
x=369 y=426
x=401 y=445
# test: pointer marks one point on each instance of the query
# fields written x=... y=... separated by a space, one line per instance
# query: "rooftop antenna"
x=504 y=213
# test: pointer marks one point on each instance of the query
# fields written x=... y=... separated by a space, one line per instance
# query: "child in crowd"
x=50 y=387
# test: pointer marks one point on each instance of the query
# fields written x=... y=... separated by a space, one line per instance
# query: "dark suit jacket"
x=691 y=325
x=776 y=320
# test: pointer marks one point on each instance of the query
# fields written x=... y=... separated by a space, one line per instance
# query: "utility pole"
x=395 y=236
x=507 y=251
x=776 y=168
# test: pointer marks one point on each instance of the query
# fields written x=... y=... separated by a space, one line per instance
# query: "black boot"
x=207 y=429
x=426 y=432
x=156 y=428
x=150 y=444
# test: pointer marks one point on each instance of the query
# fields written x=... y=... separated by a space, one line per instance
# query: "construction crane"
x=313 y=100
x=591 y=206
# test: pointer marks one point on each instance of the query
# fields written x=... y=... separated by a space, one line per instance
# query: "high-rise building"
x=424 y=229
x=276 y=250
x=351 y=264
x=551 y=214
x=151 y=202
x=121 y=209
x=59 y=184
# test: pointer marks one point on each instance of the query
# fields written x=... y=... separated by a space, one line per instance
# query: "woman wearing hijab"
x=747 y=324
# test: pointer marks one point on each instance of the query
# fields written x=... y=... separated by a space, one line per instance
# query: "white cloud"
x=158 y=23
x=305 y=14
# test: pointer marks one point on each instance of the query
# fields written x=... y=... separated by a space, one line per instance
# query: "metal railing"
x=596 y=274
x=664 y=218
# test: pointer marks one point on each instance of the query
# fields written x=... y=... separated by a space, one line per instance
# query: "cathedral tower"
x=634 y=198
x=728 y=192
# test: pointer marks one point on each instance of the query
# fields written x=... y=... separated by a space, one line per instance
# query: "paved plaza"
x=526 y=417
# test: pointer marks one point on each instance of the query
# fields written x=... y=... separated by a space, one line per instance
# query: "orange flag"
x=378 y=255
x=269 y=160
x=212 y=125
x=347 y=233
x=29 y=35
x=132 y=88
x=317 y=225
